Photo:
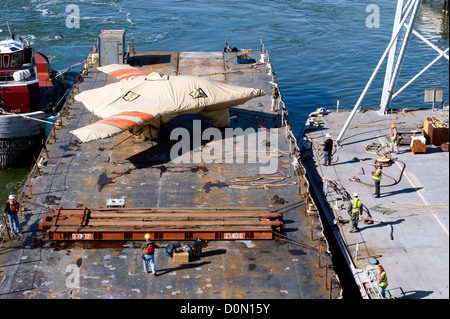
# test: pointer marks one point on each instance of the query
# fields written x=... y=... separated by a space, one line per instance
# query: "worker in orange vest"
x=148 y=254
x=12 y=209
x=394 y=139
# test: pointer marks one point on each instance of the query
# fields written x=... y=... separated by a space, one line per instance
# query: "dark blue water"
x=322 y=51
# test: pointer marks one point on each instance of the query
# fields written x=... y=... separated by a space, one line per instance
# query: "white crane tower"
x=405 y=18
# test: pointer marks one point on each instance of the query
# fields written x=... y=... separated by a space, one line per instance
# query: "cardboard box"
x=435 y=130
x=418 y=147
x=181 y=257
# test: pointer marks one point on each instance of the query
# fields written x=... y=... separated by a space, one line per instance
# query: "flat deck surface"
x=141 y=173
x=409 y=236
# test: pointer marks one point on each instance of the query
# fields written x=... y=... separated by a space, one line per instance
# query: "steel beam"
x=169 y=223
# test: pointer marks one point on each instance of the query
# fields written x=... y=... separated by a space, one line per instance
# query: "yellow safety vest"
x=383 y=278
x=356 y=203
x=376 y=176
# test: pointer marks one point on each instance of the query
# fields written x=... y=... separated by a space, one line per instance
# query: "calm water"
x=322 y=51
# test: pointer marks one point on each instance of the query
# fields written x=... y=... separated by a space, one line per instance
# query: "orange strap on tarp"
x=127 y=73
x=144 y=116
x=126 y=124
x=120 y=123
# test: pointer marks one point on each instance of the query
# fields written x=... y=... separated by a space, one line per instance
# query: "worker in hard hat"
x=354 y=209
x=393 y=146
x=148 y=254
x=12 y=210
x=376 y=176
x=327 y=150
x=382 y=281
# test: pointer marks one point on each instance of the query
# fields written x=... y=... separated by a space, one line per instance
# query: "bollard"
x=44 y=146
x=6 y=227
x=60 y=120
x=331 y=288
x=320 y=254
x=356 y=251
x=306 y=204
x=37 y=166
x=29 y=184
x=54 y=132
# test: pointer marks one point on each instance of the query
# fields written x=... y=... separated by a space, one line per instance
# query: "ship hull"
x=20 y=137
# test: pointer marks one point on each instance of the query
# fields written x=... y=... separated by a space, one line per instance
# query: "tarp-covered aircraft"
x=154 y=99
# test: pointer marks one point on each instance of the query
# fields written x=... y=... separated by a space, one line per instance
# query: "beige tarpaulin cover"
x=155 y=99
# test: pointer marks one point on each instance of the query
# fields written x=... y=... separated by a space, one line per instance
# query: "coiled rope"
x=262 y=181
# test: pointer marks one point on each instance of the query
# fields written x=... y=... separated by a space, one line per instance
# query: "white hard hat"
x=355 y=194
x=327 y=135
x=12 y=197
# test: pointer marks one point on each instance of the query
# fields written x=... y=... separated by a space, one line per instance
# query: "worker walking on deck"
x=275 y=96
x=376 y=176
x=12 y=209
x=394 y=140
x=355 y=209
x=327 y=150
x=382 y=281
x=148 y=254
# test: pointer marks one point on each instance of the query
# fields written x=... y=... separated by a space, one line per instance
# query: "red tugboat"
x=30 y=91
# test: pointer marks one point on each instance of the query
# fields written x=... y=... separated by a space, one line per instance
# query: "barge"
x=406 y=229
x=88 y=206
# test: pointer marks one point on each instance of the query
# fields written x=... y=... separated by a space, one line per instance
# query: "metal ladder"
x=368 y=280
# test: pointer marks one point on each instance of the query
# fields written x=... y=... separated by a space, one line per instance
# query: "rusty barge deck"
x=286 y=254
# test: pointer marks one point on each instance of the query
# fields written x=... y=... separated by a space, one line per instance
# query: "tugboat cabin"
x=12 y=54
x=19 y=84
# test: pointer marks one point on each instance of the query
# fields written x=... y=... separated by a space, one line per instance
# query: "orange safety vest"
x=394 y=135
x=150 y=249
x=13 y=205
